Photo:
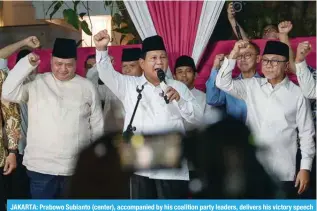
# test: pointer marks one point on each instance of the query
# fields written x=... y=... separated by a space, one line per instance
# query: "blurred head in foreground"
x=98 y=173
x=226 y=164
x=222 y=155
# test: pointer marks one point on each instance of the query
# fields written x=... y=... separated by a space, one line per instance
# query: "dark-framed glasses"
x=272 y=62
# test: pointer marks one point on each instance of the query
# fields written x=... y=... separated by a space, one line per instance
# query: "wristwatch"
x=14 y=151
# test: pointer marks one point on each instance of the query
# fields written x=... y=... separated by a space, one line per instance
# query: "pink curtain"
x=177 y=23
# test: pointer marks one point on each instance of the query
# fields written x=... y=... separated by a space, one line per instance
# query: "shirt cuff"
x=301 y=67
x=27 y=65
x=3 y=63
x=227 y=66
x=306 y=164
x=100 y=55
x=232 y=63
x=213 y=75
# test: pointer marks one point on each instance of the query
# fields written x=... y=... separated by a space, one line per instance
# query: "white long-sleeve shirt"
x=153 y=114
x=210 y=114
x=63 y=117
x=274 y=115
x=306 y=80
x=111 y=102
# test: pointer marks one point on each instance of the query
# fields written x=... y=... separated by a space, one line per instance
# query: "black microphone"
x=161 y=76
x=100 y=82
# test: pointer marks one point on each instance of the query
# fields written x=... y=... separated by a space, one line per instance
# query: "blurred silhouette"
x=222 y=154
x=98 y=173
x=225 y=161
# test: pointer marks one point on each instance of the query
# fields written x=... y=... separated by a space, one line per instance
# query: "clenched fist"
x=101 y=40
x=303 y=49
x=218 y=60
x=285 y=27
x=32 y=42
x=241 y=44
x=34 y=59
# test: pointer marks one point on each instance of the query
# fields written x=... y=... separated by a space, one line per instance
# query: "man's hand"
x=241 y=44
x=302 y=180
x=10 y=164
x=303 y=49
x=34 y=59
x=32 y=42
x=217 y=62
x=101 y=40
x=230 y=11
x=285 y=27
x=172 y=94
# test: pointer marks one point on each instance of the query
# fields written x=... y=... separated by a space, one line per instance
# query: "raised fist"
x=32 y=42
x=303 y=49
x=101 y=40
x=241 y=44
x=285 y=27
x=217 y=61
x=34 y=59
x=230 y=11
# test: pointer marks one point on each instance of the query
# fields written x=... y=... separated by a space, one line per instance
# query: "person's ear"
x=258 y=59
x=287 y=67
x=142 y=63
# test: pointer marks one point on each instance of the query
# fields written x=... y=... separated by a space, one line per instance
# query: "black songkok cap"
x=185 y=61
x=131 y=54
x=65 y=48
x=154 y=43
x=278 y=48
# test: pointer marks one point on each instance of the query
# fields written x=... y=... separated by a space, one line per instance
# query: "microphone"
x=161 y=76
x=100 y=82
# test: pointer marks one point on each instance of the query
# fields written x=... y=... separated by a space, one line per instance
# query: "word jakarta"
x=60 y=207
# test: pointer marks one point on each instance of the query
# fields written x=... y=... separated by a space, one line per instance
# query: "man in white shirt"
x=111 y=106
x=153 y=114
x=185 y=71
x=113 y=109
x=305 y=78
x=277 y=109
x=64 y=115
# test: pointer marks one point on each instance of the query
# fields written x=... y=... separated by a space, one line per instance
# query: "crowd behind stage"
x=49 y=118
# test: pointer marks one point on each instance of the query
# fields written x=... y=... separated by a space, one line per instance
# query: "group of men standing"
x=67 y=112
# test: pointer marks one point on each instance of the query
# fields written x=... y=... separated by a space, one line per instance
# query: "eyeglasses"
x=274 y=63
x=269 y=30
x=245 y=56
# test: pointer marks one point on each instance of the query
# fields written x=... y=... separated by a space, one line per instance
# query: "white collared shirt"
x=63 y=117
x=111 y=102
x=274 y=116
x=211 y=114
x=306 y=80
x=153 y=114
